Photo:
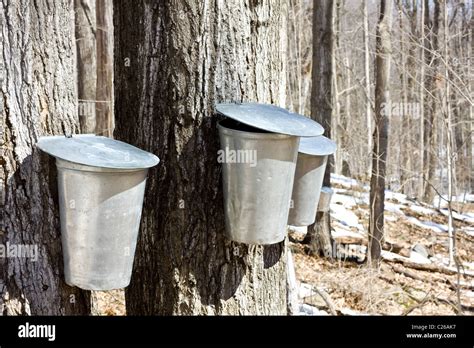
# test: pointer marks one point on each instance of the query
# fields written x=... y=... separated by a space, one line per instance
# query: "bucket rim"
x=68 y=165
x=253 y=135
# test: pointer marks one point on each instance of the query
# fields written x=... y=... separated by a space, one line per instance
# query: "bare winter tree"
x=319 y=233
x=174 y=61
x=38 y=97
x=105 y=68
x=379 y=155
x=431 y=47
x=85 y=20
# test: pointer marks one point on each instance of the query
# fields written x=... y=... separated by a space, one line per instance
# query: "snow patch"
x=298 y=229
x=399 y=197
x=345 y=216
x=422 y=210
x=306 y=309
x=438 y=228
x=388 y=255
x=393 y=208
x=457 y=216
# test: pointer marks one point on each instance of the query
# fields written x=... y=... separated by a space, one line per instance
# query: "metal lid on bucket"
x=97 y=151
x=271 y=118
x=317 y=146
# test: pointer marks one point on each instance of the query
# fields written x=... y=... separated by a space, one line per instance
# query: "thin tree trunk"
x=336 y=129
x=368 y=115
x=449 y=138
x=346 y=122
x=86 y=62
x=408 y=124
x=38 y=96
x=431 y=55
x=319 y=233
x=404 y=127
x=422 y=43
x=174 y=61
x=105 y=68
x=379 y=156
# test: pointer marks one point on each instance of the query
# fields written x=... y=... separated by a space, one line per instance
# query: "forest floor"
x=414 y=278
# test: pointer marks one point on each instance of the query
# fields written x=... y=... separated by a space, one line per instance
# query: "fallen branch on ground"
x=327 y=299
x=430 y=267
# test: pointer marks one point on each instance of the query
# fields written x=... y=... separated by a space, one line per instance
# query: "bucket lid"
x=97 y=151
x=317 y=146
x=271 y=118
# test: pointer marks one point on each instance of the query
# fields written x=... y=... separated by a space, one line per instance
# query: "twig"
x=327 y=299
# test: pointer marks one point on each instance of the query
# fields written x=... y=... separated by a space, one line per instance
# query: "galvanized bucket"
x=311 y=165
x=101 y=187
x=257 y=191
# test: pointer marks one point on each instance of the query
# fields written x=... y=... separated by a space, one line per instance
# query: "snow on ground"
x=306 y=309
x=422 y=210
x=349 y=216
x=298 y=229
x=344 y=181
x=345 y=216
x=461 y=217
x=394 y=208
x=339 y=197
x=427 y=225
x=388 y=255
x=344 y=199
x=463 y=198
x=399 y=197
x=468 y=230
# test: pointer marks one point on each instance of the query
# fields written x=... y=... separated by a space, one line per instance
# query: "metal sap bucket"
x=257 y=195
x=101 y=187
x=311 y=165
x=259 y=146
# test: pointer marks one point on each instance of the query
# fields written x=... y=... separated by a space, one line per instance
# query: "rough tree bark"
x=174 y=61
x=86 y=62
x=379 y=154
x=470 y=114
x=319 y=233
x=105 y=68
x=38 y=97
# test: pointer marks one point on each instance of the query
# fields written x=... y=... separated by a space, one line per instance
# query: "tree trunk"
x=86 y=63
x=105 y=68
x=174 y=61
x=470 y=114
x=449 y=137
x=408 y=134
x=336 y=73
x=422 y=85
x=38 y=97
x=368 y=107
x=319 y=233
x=379 y=154
x=431 y=56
